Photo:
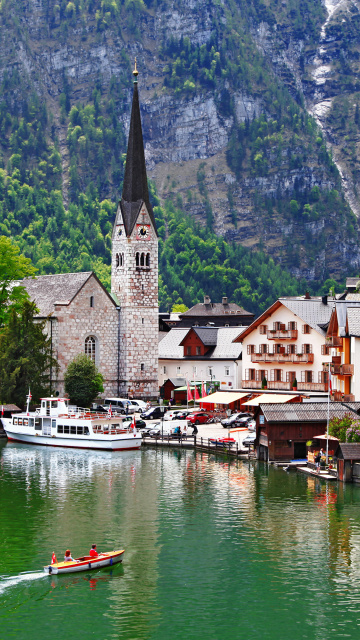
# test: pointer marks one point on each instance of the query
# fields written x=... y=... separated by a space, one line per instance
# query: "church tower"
x=134 y=271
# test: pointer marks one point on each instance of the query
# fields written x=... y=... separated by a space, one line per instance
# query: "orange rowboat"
x=86 y=563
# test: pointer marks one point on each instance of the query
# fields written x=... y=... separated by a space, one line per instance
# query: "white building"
x=287 y=343
x=202 y=353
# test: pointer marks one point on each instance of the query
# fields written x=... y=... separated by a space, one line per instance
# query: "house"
x=224 y=314
x=282 y=430
x=285 y=348
x=201 y=353
x=343 y=340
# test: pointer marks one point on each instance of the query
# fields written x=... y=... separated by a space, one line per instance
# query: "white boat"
x=56 y=424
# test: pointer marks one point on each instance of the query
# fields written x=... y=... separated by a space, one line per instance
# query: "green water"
x=214 y=549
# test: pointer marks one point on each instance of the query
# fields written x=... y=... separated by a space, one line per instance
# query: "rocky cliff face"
x=58 y=51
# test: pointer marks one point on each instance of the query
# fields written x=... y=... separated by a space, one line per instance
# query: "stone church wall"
x=78 y=320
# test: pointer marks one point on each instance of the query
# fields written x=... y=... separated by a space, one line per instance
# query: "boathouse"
x=282 y=430
x=348 y=462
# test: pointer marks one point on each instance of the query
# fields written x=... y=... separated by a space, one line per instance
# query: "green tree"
x=83 y=381
x=179 y=308
x=13 y=267
x=25 y=357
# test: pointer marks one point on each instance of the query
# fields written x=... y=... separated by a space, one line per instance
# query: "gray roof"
x=342 y=308
x=177 y=382
x=169 y=346
x=307 y=412
x=353 y=315
x=349 y=451
x=313 y=311
x=46 y=291
x=215 y=309
x=207 y=335
x=352 y=282
x=225 y=349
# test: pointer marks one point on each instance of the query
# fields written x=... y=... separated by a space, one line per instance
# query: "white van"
x=120 y=405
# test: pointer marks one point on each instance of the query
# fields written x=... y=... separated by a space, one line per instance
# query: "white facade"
x=282 y=346
x=226 y=373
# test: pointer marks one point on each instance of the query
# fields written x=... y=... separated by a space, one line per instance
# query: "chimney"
x=324 y=299
x=307 y=296
x=225 y=300
x=207 y=300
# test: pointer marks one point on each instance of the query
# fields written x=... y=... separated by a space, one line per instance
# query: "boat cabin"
x=54 y=406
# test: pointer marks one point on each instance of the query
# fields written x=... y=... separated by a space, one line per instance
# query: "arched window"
x=122 y=260
x=90 y=347
x=137 y=260
x=117 y=260
x=142 y=260
x=148 y=259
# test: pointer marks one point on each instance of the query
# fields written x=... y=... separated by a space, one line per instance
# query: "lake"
x=216 y=549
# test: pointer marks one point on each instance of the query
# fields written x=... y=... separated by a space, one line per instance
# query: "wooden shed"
x=348 y=462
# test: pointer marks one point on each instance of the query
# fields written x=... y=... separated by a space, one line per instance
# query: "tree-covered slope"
x=227 y=136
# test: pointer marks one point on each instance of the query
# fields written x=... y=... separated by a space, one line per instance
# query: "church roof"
x=46 y=291
x=135 y=188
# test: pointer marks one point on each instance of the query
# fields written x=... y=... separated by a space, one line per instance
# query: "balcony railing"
x=346 y=370
x=282 y=334
x=283 y=357
x=348 y=397
x=312 y=386
x=251 y=384
x=280 y=385
x=333 y=341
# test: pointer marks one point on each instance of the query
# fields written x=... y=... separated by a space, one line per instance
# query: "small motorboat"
x=86 y=563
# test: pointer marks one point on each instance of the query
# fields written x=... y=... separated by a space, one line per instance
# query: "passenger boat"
x=57 y=424
x=86 y=563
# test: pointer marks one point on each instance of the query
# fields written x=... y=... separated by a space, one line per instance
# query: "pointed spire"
x=135 y=189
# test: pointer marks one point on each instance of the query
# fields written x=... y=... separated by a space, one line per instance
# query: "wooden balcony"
x=312 y=386
x=336 y=359
x=307 y=358
x=346 y=370
x=279 y=385
x=282 y=334
x=348 y=397
x=333 y=341
x=336 y=396
x=251 y=384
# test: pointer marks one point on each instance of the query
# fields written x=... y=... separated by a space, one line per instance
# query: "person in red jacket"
x=93 y=553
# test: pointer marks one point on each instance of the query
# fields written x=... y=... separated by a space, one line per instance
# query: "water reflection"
x=206 y=539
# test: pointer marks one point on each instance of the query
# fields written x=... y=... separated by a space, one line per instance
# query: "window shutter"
x=272 y=375
x=303 y=376
x=247 y=374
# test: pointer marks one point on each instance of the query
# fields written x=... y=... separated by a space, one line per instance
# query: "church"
x=118 y=331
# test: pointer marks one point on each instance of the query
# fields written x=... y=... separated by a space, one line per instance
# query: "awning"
x=269 y=398
x=223 y=397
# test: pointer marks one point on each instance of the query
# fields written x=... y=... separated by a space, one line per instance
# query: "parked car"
x=140 y=424
x=249 y=440
x=149 y=427
x=172 y=413
x=235 y=419
x=152 y=413
x=200 y=417
x=251 y=424
x=140 y=405
x=121 y=405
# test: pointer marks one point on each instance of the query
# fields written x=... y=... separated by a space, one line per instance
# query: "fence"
x=201 y=444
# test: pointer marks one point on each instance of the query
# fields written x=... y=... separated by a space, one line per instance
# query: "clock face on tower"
x=143 y=231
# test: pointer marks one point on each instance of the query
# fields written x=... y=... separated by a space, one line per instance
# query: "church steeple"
x=135 y=190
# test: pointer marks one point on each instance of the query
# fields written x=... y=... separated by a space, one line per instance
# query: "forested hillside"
x=248 y=199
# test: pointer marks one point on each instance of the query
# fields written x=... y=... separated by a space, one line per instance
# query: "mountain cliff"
x=250 y=115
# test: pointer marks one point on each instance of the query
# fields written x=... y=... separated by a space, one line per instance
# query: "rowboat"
x=85 y=563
